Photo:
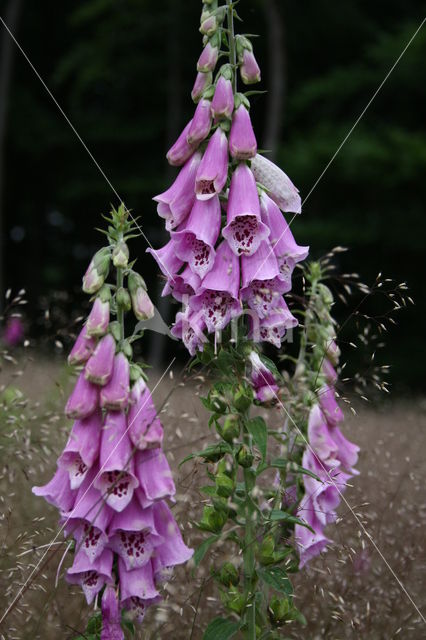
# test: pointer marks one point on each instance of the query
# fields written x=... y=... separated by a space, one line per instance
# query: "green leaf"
x=212 y=450
x=221 y=628
x=259 y=432
x=201 y=551
x=276 y=578
x=287 y=465
x=276 y=515
x=95 y=623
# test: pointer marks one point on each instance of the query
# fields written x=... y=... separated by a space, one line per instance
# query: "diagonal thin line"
x=366 y=533
x=361 y=115
x=18 y=595
x=345 y=139
x=86 y=148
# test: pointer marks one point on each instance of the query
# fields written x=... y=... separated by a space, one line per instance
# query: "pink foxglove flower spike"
x=113 y=480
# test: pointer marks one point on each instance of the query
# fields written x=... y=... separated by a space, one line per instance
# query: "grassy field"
x=347 y=593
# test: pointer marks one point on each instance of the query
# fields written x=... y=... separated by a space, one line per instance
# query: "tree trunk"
x=7 y=55
x=276 y=76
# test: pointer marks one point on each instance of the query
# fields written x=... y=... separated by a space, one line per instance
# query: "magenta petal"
x=111 y=616
x=82 y=448
x=329 y=372
x=244 y=230
x=98 y=319
x=218 y=300
x=242 y=141
x=82 y=349
x=347 y=452
x=223 y=101
x=166 y=259
x=213 y=170
x=320 y=438
x=327 y=401
x=272 y=328
x=133 y=535
x=173 y=550
x=183 y=286
x=117 y=479
x=155 y=476
x=309 y=544
x=175 y=203
x=202 y=81
x=136 y=607
x=281 y=238
x=195 y=242
x=201 y=123
x=262 y=379
x=115 y=394
x=142 y=417
x=91 y=577
x=100 y=364
x=208 y=58
x=181 y=150
x=249 y=69
x=261 y=265
x=57 y=491
x=83 y=400
x=137 y=583
x=189 y=327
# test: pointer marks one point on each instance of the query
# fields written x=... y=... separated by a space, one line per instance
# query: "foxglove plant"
x=225 y=267
x=113 y=482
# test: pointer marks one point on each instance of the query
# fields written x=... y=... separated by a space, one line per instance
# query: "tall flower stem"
x=231 y=41
x=248 y=554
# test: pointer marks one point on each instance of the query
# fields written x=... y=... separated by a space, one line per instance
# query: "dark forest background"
x=122 y=70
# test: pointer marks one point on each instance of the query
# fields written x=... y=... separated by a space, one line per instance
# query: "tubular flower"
x=331 y=457
x=226 y=174
x=113 y=480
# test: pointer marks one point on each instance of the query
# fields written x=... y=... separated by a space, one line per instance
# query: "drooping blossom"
x=113 y=480
x=263 y=381
x=230 y=177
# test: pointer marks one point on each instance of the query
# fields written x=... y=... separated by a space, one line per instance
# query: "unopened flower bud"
x=279 y=609
x=208 y=58
x=223 y=101
x=135 y=373
x=123 y=299
x=209 y=24
x=115 y=330
x=231 y=428
x=266 y=550
x=120 y=255
x=229 y=575
x=212 y=520
x=243 y=398
x=224 y=485
x=249 y=69
x=97 y=271
x=141 y=302
x=98 y=320
x=233 y=601
x=126 y=348
x=217 y=402
x=242 y=141
x=245 y=457
x=202 y=82
x=201 y=123
x=82 y=349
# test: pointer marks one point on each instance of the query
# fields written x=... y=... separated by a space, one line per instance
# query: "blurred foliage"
x=122 y=70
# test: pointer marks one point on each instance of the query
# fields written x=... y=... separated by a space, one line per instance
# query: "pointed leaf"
x=221 y=628
x=201 y=551
x=259 y=432
x=276 y=578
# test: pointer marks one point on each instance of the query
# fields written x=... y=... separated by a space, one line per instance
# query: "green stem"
x=231 y=39
x=248 y=552
x=120 y=310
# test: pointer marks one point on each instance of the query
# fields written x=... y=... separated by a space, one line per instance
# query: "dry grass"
x=346 y=594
